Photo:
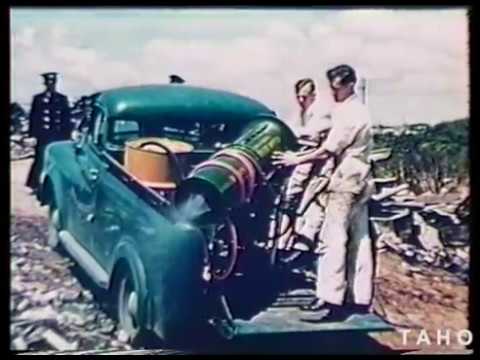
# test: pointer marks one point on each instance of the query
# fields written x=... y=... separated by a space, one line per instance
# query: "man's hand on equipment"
x=287 y=158
x=290 y=158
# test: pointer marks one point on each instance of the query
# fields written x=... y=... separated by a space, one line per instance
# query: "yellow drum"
x=148 y=160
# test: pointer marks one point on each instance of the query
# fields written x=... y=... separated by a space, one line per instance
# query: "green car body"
x=111 y=223
x=128 y=236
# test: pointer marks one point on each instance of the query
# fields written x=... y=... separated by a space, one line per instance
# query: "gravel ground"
x=50 y=307
x=17 y=151
x=53 y=305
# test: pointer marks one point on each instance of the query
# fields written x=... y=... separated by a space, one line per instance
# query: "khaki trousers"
x=345 y=266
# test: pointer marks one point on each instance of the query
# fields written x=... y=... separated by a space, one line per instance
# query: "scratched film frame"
x=116 y=113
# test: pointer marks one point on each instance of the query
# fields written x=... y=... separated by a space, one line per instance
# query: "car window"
x=203 y=135
x=122 y=130
x=125 y=126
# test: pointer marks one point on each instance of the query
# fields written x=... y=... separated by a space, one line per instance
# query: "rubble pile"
x=20 y=148
x=425 y=230
x=50 y=309
x=455 y=261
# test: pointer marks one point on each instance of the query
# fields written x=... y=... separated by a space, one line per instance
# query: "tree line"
x=427 y=157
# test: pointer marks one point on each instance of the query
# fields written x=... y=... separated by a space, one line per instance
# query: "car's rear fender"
x=174 y=278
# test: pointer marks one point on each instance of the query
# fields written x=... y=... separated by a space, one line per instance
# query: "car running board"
x=84 y=259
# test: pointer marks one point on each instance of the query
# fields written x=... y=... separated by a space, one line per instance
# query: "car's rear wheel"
x=126 y=302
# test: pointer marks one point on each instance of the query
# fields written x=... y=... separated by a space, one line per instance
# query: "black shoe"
x=327 y=313
x=301 y=243
x=359 y=309
x=315 y=305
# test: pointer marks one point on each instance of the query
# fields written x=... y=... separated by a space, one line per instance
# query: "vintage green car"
x=171 y=275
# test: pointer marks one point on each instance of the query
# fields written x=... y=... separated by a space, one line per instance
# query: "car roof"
x=179 y=102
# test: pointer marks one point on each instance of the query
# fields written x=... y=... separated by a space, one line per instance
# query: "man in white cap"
x=345 y=268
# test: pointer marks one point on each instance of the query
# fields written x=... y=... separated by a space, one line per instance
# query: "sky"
x=416 y=61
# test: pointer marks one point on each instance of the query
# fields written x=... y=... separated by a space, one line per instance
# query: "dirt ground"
x=420 y=298
x=409 y=297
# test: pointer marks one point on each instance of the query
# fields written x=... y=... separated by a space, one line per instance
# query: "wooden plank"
x=385 y=180
x=289 y=321
x=397 y=215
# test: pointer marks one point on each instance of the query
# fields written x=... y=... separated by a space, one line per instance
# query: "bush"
x=425 y=157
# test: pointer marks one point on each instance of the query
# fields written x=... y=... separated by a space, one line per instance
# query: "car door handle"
x=93 y=174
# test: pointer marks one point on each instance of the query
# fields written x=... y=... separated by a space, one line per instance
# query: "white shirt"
x=315 y=119
x=350 y=141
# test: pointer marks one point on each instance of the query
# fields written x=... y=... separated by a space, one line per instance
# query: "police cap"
x=50 y=77
x=175 y=79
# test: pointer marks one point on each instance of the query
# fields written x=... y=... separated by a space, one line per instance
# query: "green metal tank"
x=230 y=177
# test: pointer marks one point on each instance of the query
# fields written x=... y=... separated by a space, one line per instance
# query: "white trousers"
x=345 y=267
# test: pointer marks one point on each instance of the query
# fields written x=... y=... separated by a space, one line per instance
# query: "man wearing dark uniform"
x=49 y=122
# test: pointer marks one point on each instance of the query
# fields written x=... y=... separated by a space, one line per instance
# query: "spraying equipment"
x=230 y=178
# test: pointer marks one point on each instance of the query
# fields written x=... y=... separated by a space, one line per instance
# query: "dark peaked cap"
x=176 y=79
x=50 y=76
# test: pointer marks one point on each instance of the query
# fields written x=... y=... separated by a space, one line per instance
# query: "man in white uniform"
x=345 y=267
x=312 y=129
